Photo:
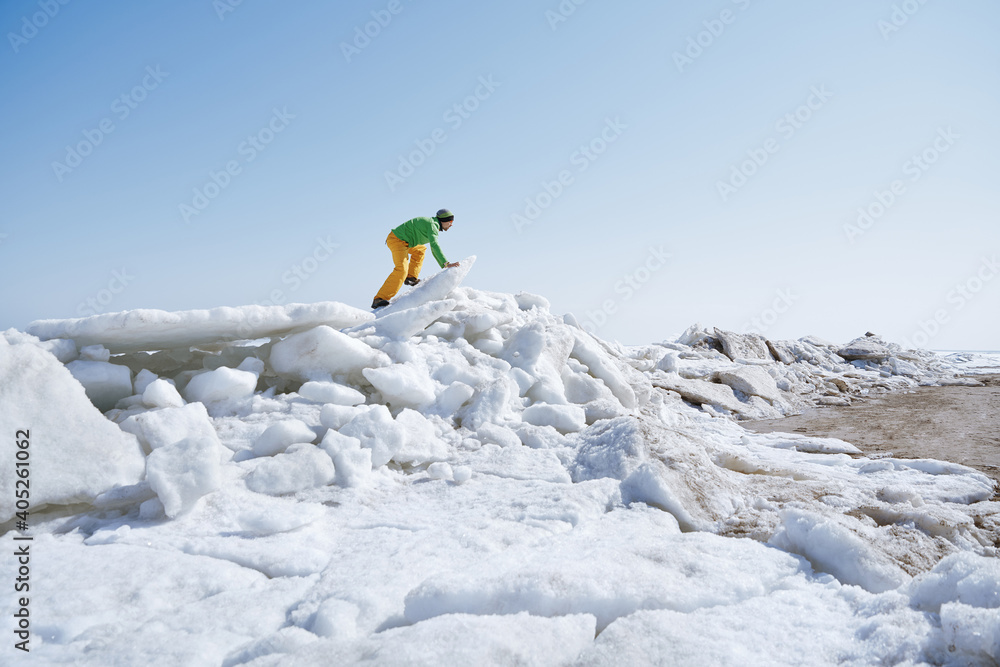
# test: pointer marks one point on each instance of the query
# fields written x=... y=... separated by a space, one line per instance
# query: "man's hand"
x=451 y=265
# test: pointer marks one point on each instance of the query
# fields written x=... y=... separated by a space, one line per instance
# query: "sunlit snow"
x=468 y=477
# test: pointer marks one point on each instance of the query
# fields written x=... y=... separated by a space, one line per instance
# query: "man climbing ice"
x=407 y=243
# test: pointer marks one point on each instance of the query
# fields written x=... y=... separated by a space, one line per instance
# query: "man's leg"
x=400 y=261
x=416 y=261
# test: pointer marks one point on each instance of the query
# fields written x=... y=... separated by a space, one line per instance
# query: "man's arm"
x=438 y=255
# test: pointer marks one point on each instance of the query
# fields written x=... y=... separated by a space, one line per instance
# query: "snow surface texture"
x=470 y=478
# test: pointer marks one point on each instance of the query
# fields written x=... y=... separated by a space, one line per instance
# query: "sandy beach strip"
x=950 y=423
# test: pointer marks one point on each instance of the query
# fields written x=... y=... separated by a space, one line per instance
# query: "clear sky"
x=643 y=165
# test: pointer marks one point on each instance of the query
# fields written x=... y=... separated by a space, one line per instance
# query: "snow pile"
x=469 y=476
x=73 y=453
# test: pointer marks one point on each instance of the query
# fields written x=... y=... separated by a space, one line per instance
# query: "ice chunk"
x=542 y=352
x=378 y=432
x=142 y=380
x=962 y=577
x=900 y=367
x=539 y=437
x=583 y=388
x=658 y=466
x=331 y=392
x=608 y=408
x=704 y=393
x=498 y=435
x=334 y=416
x=160 y=428
x=352 y=463
x=668 y=363
x=832 y=547
x=752 y=381
x=452 y=398
x=220 y=387
x=586 y=350
x=162 y=393
x=77 y=453
x=743 y=346
x=421 y=443
x=321 y=353
x=482 y=323
x=405 y=323
x=145 y=329
x=252 y=365
x=435 y=288
x=462 y=474
x=94 y=353
x=494 y=402
x=564 y=418
x=864 y=349
x=402 y=385
x=276 y=438
x=183 y=472
x=64 y=350
x=104 y=382
x=302 y=467
x=527 y=301
x=439 y=470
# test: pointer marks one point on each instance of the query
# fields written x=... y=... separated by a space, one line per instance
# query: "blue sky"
x=714 y=157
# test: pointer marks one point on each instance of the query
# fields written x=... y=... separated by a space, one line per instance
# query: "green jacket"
x=419 y=231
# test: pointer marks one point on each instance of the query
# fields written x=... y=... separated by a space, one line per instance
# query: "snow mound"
x=72 y=452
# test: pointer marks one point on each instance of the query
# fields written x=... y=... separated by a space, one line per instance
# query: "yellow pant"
x=407 y=262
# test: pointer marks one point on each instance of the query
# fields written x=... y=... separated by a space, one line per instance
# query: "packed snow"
x=468 y=477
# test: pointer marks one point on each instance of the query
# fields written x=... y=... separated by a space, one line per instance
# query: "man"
x=407 y=243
